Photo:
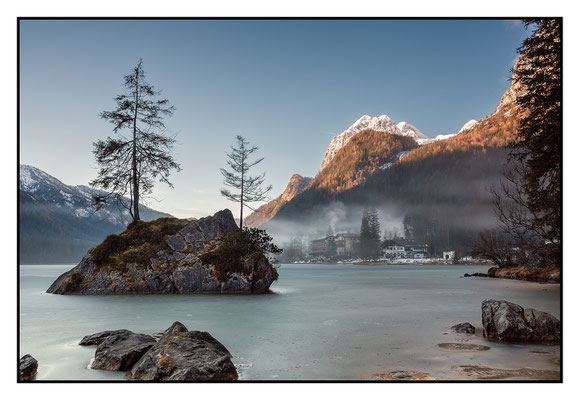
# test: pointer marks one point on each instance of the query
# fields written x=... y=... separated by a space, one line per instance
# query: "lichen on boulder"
x=163 y=256
x=182 y=355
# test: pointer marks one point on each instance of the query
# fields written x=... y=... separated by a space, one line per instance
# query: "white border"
x=294 y=8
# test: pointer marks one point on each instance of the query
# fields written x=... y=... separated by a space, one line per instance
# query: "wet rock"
x=510 y=322
x=489 y=373
x=97 y=338
x=120 y=351
x=404 y=376
x=464 y=327
x=182 y=355
x=463 y=346
x=27 y=368
x=479 y=274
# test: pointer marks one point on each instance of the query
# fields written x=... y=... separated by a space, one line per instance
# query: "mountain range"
x=58 y=222
x=443 y=181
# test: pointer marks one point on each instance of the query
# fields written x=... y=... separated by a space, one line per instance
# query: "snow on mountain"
x=468 y=125
x=381 y=123
x=398 y=157
x=38 y=187
x=409 y=130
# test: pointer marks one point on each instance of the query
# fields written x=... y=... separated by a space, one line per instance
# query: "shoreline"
x=399 y=262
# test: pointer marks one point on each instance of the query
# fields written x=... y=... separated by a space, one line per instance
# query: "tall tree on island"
x=529 y=204
x=129 y=165
x=248 y=188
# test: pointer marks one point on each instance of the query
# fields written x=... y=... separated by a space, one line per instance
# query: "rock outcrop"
x=27 y=368
x=510 y=322
x=182 y=355
x=267 y=211
x=97 y=338
x=120 y=351
x=161 y=256
x=464 y=327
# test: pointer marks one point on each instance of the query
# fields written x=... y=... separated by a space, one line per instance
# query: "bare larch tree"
x=129 y=165
x=248 y=188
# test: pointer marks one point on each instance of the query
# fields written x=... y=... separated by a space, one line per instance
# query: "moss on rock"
x=137 y=244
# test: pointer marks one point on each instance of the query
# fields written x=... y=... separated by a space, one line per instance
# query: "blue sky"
x=287 y=86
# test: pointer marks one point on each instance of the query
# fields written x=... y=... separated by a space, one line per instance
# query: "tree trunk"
x=135 y=177
x=242 y=196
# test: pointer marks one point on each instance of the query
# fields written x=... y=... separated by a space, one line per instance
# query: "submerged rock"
x=463 y=346
x=182 y=355
x=120 y=351
x=510 y=322
x=404 y=376
x=27 y=368
x=464 y=327
x=161 y=256
x=489 y=373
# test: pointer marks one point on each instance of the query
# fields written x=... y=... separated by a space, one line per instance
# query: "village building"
x=448 y=255
x=346 y=245
x=317 y=248
x=404 y=248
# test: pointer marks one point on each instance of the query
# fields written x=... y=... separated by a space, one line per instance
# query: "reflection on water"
x=319 y=322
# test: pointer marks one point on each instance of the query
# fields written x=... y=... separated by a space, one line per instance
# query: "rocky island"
x=171 y=255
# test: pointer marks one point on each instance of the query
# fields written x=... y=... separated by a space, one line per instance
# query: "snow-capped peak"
x=382 y=123
x=409 y=130
x=468 y=125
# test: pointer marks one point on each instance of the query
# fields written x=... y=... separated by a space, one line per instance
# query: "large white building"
x=401 y=248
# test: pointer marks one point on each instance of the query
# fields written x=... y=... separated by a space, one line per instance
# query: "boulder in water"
x=120 y=351
x=27 y=368
x=182 y=355
x=510 y=322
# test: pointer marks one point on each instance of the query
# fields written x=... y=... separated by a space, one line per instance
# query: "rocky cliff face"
x=161 y=257
x=266 y=212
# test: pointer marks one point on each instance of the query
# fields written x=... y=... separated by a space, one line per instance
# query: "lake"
x=321 y=322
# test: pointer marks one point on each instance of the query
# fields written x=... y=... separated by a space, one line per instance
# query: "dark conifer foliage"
x=130 y=164
x=370 y=234
x=248 y=188
x=534 y=177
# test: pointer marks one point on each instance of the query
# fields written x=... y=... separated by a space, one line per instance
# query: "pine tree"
x=330 y=243
x=130 y=165
x=370 y=234
x=534 y=179
x=249 y=187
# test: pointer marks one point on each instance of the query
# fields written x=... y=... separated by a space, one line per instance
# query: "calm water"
x=321 y=322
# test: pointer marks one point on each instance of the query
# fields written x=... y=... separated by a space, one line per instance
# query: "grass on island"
x=239 y=252
x=137 y=244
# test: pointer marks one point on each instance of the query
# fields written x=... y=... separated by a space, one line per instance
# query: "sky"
x=287 y=86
